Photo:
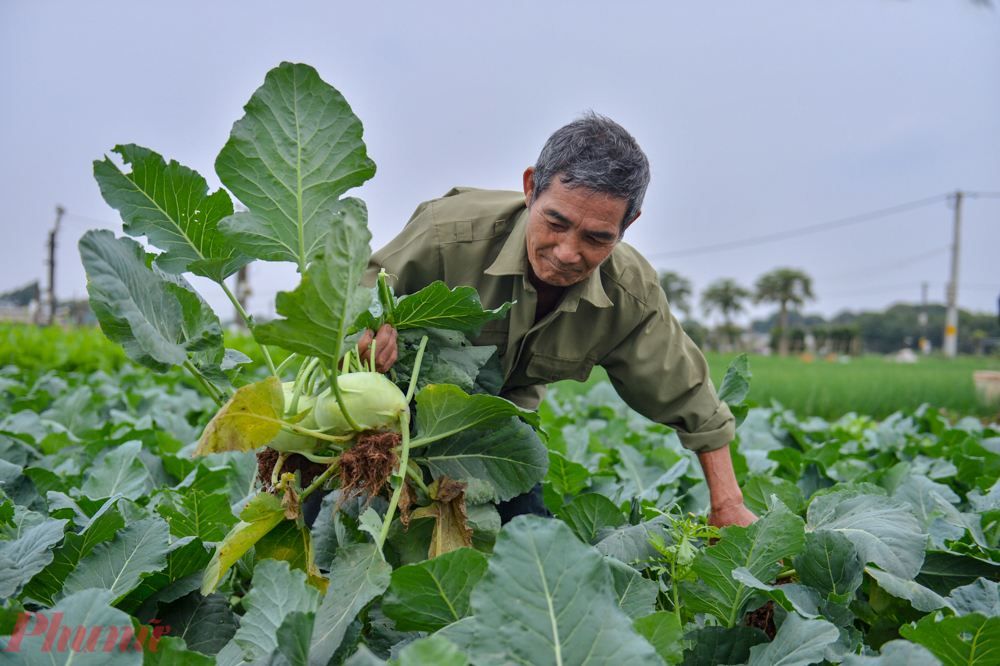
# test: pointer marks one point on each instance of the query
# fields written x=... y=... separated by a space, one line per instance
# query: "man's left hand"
x=731 y=514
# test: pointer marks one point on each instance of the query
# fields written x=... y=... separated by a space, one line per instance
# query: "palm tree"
x=727 y=296
x=678 y=291
x=784 y=286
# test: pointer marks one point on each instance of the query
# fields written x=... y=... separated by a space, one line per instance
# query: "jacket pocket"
x=556 y=368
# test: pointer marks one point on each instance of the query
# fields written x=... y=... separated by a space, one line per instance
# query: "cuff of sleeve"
x=714 y=434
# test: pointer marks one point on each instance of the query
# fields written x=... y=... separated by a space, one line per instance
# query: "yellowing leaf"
x=250 y=419
x=260 y=516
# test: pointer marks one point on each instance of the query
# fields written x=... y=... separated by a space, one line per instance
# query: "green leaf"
x=640 y=479
x=185 y=560
x=277 y=591
x=829 y=564
x=444 y=410
x=757 y=493
x=260 y=516
x=799 y=642
x=793 y=597
x=982 y=597
x=944 y=571
x=205 y=623
x=120 y=471
x=736 y=383
x=884 y=530
x=547 y=598
x=170 y=205
x=432 y=594
x=297 y=149
x=895 y=653
x=328 y=300
x=636 y=595
x=88 y=611
x=919 y=492
x=207 y=516
x=511 y=457
x=432 y=650
x=958 y=641
x=920 y=597
x=158 y=321
x=47 y=583
x=292 y=544
x=630 y=543
x=294 y=637
x=593 y=517
x=359 y=574
x=26 y=556
x=759 y=547
x=713 y=646
x=118 y=565
x=664 y=632
x=566 y=476
x=174 y=652
x=436 y=306
x=250 y=419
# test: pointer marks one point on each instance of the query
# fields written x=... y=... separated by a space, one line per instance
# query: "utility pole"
x=242 y=292
x=52 y=265
x=951 y=317
x=925 y=345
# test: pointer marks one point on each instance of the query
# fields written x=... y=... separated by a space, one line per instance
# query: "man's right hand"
x=386 y=351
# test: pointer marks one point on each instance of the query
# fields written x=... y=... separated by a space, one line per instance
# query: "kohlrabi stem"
x=389 y=312
x=415 y=475
x=371 y=356
x=301 y=380
x=249 y=323
x=674 y=592
x=335 y=385
x=320 y=480
x=416 y=370
x=309 y=433
x=212 y=392
x=276 y=472
x=284 y=364
x=404 y=462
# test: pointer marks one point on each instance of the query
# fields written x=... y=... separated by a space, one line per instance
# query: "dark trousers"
x=530 y=503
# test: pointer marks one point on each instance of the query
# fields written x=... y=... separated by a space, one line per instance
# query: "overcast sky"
x=757 y=117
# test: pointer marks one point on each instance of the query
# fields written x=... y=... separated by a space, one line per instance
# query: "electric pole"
x=951 y=317
x=242 y=292
x=52 y=265
x=925 y=346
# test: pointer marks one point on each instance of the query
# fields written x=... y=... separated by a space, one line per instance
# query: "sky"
x=757 y=117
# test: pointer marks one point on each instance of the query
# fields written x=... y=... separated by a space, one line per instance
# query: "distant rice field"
x=867 y=385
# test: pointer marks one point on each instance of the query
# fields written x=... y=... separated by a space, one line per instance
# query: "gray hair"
x=599 y=154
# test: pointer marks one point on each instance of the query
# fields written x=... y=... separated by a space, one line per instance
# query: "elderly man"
x=582 y=297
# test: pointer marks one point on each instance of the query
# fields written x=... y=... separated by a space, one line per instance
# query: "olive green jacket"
x=617 y=318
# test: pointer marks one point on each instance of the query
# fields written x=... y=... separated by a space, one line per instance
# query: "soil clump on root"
x=366 y=467
x=307 y=469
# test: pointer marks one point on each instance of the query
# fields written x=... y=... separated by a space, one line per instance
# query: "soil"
x=367 y=466
x=308 y=469
x=763 y=617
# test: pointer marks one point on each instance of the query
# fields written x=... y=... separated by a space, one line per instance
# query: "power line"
x=875 y=270
x=802 y=231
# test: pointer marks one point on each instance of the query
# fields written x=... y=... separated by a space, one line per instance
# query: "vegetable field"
x=190 y=506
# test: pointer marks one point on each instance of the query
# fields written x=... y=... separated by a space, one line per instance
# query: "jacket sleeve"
x=662 y=374
x=412 y=259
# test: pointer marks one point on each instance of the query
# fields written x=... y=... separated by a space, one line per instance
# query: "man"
x=582 y=297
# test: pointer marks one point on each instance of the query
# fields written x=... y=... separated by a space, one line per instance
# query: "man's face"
x=571 y=231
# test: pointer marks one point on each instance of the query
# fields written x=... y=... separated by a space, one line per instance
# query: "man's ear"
x=529 y=184
x=633 y=220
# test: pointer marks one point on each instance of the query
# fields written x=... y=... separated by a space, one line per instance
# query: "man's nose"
x=566 y=254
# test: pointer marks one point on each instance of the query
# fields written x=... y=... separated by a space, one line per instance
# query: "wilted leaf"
x=250 y=419
x=260 y=516
x=448 y=510
x=297 y=149
x=170 y=205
